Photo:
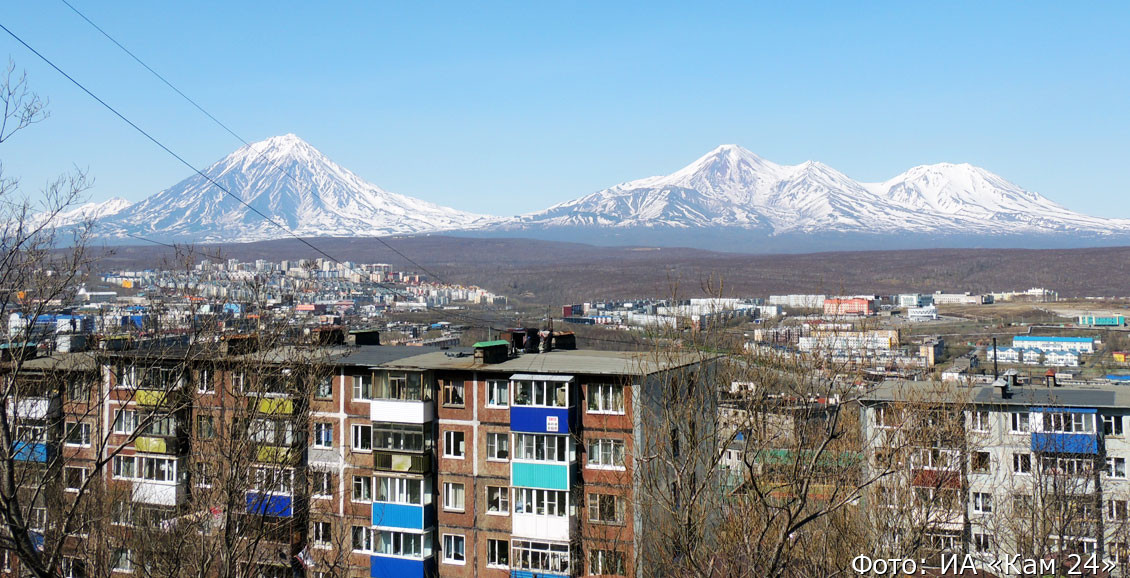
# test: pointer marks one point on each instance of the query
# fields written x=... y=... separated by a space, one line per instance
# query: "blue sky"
x=506 y=108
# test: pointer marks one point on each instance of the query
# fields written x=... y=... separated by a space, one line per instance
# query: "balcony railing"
x=398 y=462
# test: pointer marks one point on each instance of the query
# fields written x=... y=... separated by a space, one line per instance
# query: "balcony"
x=156 y=445
x=535 y=574
x=157 y=493
x=1065 y=443
x=31 y=452
x=273 y=454
x=400 y=411
x=406 y=463
x=33 y=408
x=406 y=516
x=275 y=406
x=539 y=475
x=150 y=398
x=396 y=567
x=269 y=504
x=552 y=420
x=553 y=528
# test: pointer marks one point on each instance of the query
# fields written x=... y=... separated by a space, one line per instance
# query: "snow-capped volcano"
x=293 y=184
x=730 y=187
x=84 y=212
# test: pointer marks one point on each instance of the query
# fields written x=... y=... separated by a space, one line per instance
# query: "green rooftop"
x=494 y=343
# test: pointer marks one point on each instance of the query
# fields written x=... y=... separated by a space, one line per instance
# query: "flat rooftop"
x=561 y=361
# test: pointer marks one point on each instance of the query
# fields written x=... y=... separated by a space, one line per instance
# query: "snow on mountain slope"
x=734 y=188
x=293 y=184
x=80 y=213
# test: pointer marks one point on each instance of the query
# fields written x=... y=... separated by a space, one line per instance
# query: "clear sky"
x=506 y=108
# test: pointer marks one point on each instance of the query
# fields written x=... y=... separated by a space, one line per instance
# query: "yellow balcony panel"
x=151 y=445
x=148 y=397
x=276 y=406
x=273 y=454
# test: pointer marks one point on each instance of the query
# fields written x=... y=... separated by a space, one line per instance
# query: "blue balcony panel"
x=403 y=516
x=1064 y=443
x=545 y=476
x=29 y=452
x=389 y=567
x=535 y=574
x=270 y=504
x=552 y=420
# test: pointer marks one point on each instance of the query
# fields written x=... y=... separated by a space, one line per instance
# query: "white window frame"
x=1020 y=422
x=596 y=459
x=397 y=490
x=450 y=447
x=552 y=503
x=503 y=495
x=449 y=549
x=123 y=556
x=357 y=430
x=322 y=534
x=602 y=394
x=979 y=421
x=495 y=387
x=1116 y=468
x=320 y=439
x=1018 y=459
x=82 y=478
x=494 y=548
x=493 y=439
x=982 y=502
x=451 y=495
x=1113 y=423
x=84 y=434
x=359 y=386
x=361 y=490
x=125 y=421
x=329 y=478
x=367 y=539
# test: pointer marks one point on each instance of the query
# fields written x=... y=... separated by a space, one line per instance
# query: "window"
x=1069 y=466
x=145 y=468
x=404 y=386
x=980 y=421
x=78 y=434
x=125 y=422
x=498 y=393
x=886 y=416
x=1069 y=422
x=323 y=435
x=1021 y=463
x=323 y=535
x=982 y=542
x=123 y=561
x=453 y=549
x=321 y=483
x=121 y=514
x=498 y=446
x=74 y=478
x=541 y=502
x=1116 y=467
x=205 y=383
x=541 y=447
x=453 y=444
x=1112 y=425
x=1021 y=504
x=1117 y=510
x=159 y=424
x=982 y=502
x=541 y=393
x=403 y=544
x=362 y=488
x=37 y=519
x=539 y=556
x=606 y=562
x=400 y=490
x=324 y=388
x=203 y=475
x=452 y=392
x=453 y=496
x=74 y=568
x=237 y=381
x=78 y=390
x=1019 y=422
x=205 y=427
x=272 y=431
x=606 y=453
x=606 y=509
x=498 y=500
x=606 y=398
x=498 y=553
x=362 y=438
x=273 y=480
x=362 y=387
x=1118 y=552
x=362 y=539
x=980 y=462
x=401 y=437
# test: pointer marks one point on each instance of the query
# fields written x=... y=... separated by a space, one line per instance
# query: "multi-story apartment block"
x=506 y=459
x=1005 y=469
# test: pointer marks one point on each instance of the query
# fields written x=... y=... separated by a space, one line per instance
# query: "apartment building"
x=1019 y=469
x=509 y=458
